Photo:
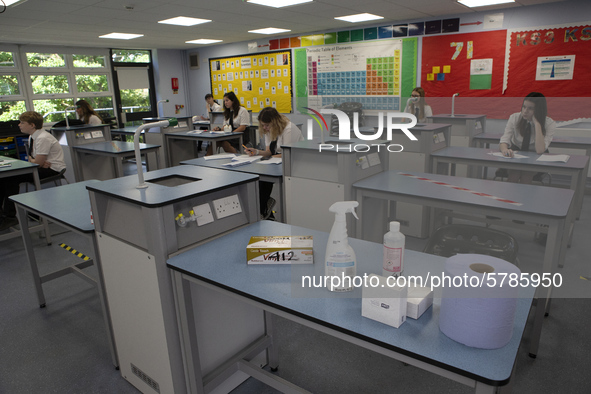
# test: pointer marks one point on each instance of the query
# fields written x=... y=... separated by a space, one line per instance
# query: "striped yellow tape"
x=75 y=252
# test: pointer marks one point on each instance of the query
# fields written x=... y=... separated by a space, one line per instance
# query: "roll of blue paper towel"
x=476 y=310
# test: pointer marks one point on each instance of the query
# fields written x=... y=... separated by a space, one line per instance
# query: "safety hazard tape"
x=75 y=252
x=463 y=189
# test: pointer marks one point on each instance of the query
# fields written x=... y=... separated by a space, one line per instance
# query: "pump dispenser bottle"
x=394 y=242
x=340 y=260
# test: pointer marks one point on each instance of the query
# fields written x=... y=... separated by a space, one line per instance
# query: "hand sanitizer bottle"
x=340 y=260
x=393 y=251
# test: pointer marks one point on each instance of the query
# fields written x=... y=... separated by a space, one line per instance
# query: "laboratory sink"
x=173 y=180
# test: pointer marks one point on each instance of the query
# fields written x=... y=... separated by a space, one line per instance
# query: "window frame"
x=25 y=72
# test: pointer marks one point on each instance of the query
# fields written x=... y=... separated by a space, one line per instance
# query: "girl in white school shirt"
x=416 y=105
x=237 y=117
x=87 y=114
x=528 y=130
x=278 y=130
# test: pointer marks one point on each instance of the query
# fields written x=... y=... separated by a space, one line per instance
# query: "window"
x=89 y=61
x=50 y=84
x=50 y=79
x=46 y=60
x=11 y=110
x=6 y=59
x=92 y=83
x=53 y=109
x=130 y=56
x=9 y=85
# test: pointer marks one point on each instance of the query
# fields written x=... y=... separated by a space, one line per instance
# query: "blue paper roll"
x=478 y=316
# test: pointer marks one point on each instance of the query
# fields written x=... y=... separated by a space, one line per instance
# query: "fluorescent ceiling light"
x=121 y=36
x=269 y=30
x=11 y=2
x=482 y=3
x=278 y=3
x=359 y=17
x=184 y=21
x=202 y=41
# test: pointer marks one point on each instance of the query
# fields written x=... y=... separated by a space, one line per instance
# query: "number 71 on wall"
x=459 y=46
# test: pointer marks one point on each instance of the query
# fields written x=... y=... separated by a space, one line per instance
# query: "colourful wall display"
x=370 y=73
x=259 y=80
x=468 y=64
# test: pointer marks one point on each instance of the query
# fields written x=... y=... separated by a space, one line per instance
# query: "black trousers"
x=265 y=189
x=10 y=186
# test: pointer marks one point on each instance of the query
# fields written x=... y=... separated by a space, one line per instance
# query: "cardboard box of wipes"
x=289 y=249
x=383 y=303
x=419 y=299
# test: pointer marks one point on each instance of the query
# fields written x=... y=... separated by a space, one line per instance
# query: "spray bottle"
x=393 y=251
x=340 y=260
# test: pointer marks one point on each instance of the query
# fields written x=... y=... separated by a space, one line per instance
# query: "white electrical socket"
x=203 y=214
x=227 y=206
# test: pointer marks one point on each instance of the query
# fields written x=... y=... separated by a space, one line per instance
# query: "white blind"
x=132 y=78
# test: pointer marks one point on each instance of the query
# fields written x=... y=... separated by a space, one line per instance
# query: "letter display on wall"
x=258 y=80
x=554 y=61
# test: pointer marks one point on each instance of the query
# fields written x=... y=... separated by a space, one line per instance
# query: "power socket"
x=227 y=206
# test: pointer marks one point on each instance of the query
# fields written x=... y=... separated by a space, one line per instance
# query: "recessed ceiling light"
x=359 y=17
x=278 y=3
x=202 y=41
x=11 y=2
x=483 y=3
x=269 y=30
x=121 y=36
x=184 y=21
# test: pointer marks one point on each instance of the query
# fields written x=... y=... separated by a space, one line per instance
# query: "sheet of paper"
x=273 y=160
x=221 y=156
x=246 y=158
x=559 y=158
x=515 y=155
x=242 y=160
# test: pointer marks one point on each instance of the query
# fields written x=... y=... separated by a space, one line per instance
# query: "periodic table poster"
x=369 y=73
x=258 y=80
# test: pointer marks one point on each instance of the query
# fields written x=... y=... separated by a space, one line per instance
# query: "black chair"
x=541 y=177
x=452 y=239
x=55 y=178
x=349 y=108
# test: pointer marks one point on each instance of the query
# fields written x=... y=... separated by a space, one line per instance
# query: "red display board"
x=553 y=61
x=469 y=64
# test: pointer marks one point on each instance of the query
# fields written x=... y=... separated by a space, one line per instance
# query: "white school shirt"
x=214 y=108
x=428 y=111
x=46 y=144
x=94 y=120
x=242 y=118
x=512 y=135
x=291 y=133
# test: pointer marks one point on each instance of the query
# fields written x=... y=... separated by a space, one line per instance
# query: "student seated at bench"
x=44 y=150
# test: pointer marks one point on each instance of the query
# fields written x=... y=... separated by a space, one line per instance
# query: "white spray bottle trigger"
x=343 y=207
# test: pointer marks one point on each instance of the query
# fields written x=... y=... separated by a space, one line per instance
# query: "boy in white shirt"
x=44 y=150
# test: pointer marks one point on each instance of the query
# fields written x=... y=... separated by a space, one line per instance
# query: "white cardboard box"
x=289 y=249
x=386 y=304
x=419 y=299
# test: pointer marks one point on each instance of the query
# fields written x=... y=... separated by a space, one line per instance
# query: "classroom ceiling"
x=80 y=22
